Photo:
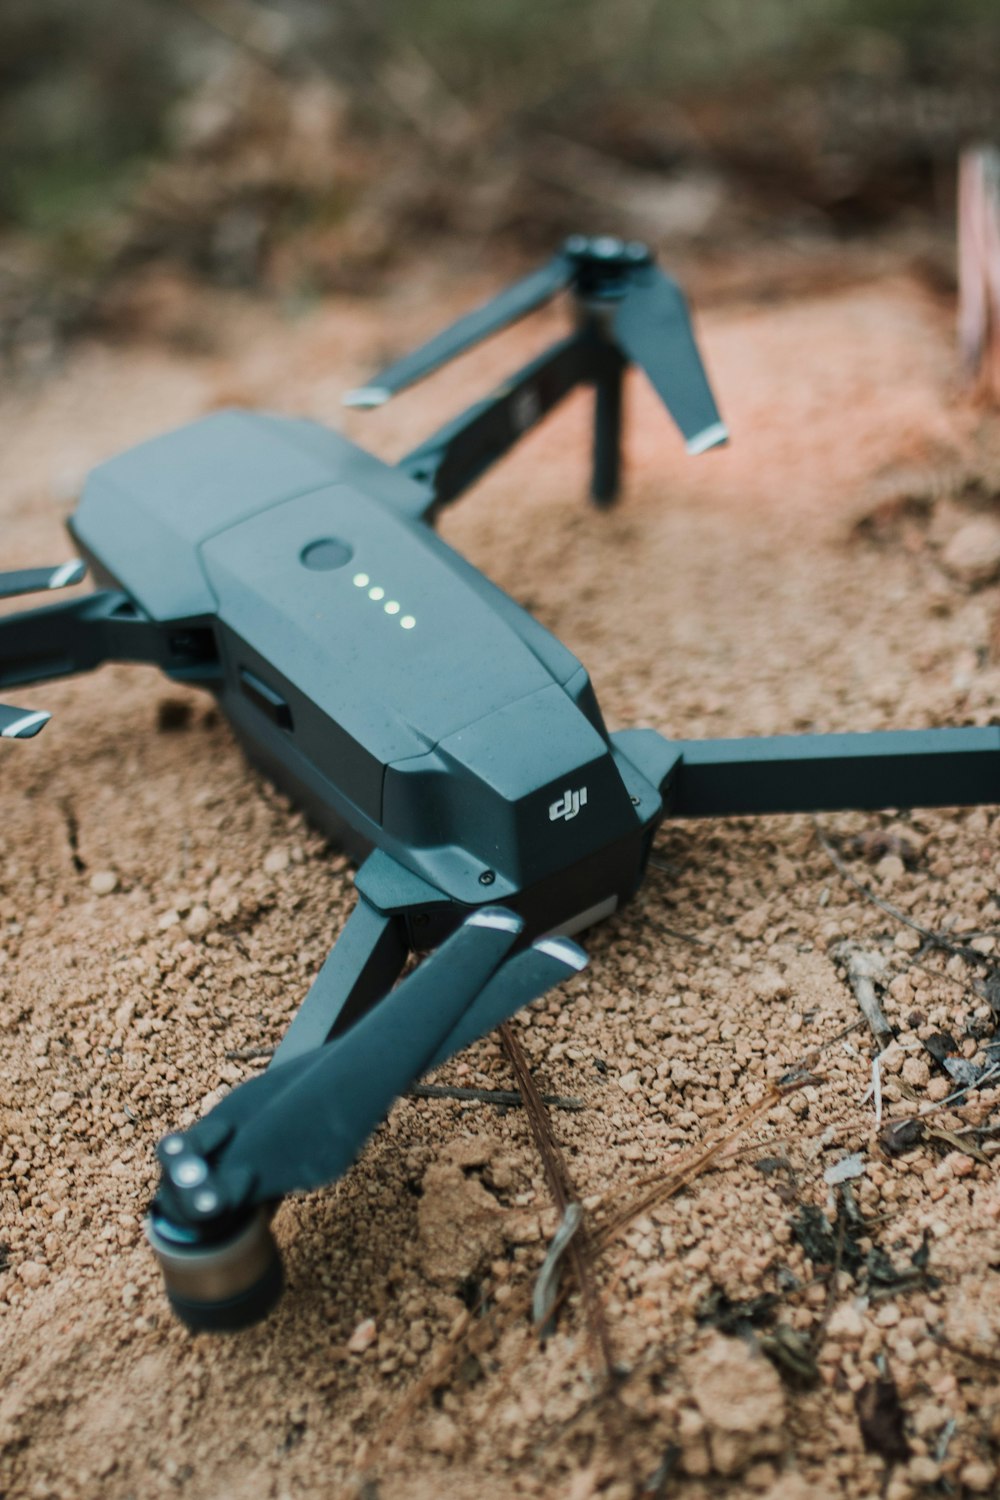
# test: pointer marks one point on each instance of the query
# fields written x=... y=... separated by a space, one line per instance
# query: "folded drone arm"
x=833 y=772
x=303 y=1121
x=79 y=634
x=462 y=450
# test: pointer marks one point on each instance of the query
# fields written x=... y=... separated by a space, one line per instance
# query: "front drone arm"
x=302 y=1122
x=80 y=634
x=363 y=965
x=22 y=723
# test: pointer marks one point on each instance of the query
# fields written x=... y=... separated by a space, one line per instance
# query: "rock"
x=198 y=921
x=459 y=1224
x=972 y=1320
x=363 y=1337
x=752 y=924
x=890 y=869
x=60 y=1102
x=978 y=1477
x=32 y=1273
x=276 y=861
x=916 y=1072
x=103 y=882
x=846 y=1323
x=440 y=1435
x=973 y=553
x=740 y=1397
x=769 y=985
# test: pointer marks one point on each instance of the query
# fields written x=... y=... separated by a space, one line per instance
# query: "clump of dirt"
x=162 y=912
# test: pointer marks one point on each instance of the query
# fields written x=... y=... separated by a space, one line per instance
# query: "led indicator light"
x=376 y=593
x=391 y=607
x=361 y=580
x=407 y=622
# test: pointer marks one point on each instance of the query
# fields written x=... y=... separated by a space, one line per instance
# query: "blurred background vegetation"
x=298 y=146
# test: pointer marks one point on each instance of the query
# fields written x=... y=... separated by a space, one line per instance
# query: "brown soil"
x=729 y=595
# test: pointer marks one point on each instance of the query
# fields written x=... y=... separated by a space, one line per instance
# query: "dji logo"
x=568 y=805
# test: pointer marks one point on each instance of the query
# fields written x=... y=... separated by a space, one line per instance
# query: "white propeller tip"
x=70 y=573
x=367 y=396
x=712 y=436
x=26 y=726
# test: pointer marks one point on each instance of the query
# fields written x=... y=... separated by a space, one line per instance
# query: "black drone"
x=424 y=721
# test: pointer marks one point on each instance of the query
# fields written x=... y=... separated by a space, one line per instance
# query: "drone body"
x=425 y=722
x=376 y=677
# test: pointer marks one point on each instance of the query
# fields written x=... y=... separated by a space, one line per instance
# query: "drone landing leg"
x=607 y=426
x=836 y=772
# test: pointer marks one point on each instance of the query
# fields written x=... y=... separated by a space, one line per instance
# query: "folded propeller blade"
x=39 y=580
x=21 y=723
x=652 y=327
x=532 y=291
x=302 y=1123
x=520 y=980
x=312 y=1115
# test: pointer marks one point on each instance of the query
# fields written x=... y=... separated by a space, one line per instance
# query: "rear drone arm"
x=834 y=772
x=627 y=309
x=462 y=450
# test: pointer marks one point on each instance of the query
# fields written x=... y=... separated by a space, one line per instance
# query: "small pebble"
x=916 y=1072
x=978 y=1477
x=363 y=1337
x=197 y=921
x=103 y=882
x=956 y=1164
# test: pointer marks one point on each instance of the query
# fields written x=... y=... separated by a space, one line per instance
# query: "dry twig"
x=489 y=1096
x=863 y=968
x=933 y=939
x=578 y=1251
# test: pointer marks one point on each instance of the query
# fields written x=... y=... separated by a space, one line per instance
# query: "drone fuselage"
x=373 y=674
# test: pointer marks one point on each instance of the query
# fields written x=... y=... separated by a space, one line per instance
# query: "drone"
x=424 y=722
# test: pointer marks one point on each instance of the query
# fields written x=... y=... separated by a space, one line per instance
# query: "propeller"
x=640 y=310
x=303 y=1122
x=21 y=723
x=531 y=292
x=652 y=327
x=519 y=981
x=38 y=580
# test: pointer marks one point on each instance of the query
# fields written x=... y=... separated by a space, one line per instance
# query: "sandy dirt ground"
x=162 y=912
